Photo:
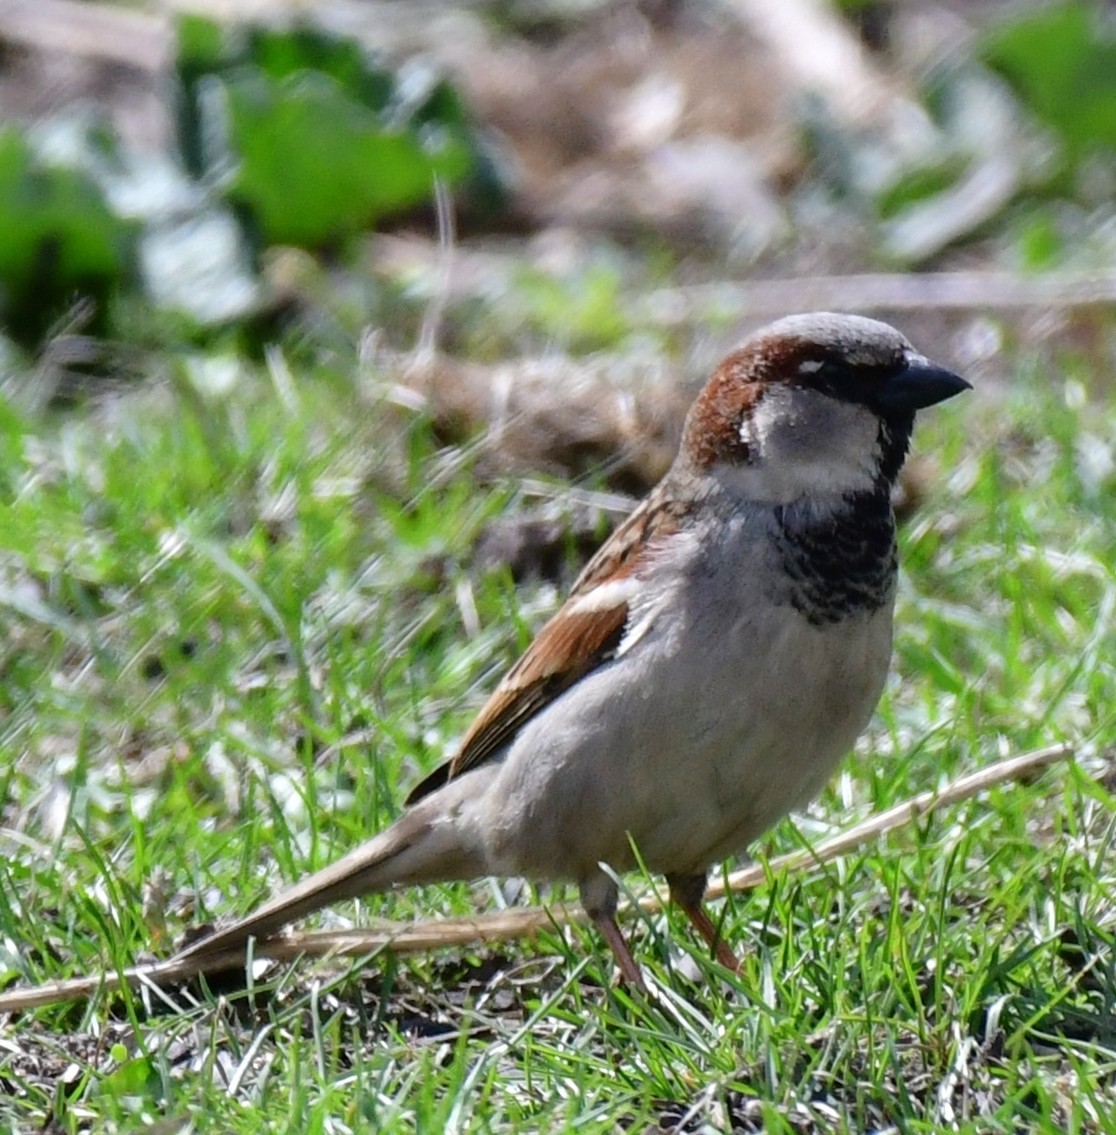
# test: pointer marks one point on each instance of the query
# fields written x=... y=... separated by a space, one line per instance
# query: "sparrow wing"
x=581 y=636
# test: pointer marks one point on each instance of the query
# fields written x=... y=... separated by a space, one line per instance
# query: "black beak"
x=919 y=384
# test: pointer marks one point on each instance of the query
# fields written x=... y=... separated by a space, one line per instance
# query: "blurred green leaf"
x=59 y=241
x=315 y=165
x=919 y=184
x=1062 y=62
x=323 y=141
x=201 y=44
x=1038 y=242
x=201 y=50
x=280 y=54
x=137 y=1081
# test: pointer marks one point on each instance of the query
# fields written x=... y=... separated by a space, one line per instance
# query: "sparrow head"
x=813 y=406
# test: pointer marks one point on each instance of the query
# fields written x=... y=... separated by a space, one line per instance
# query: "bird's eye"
x=846 y=379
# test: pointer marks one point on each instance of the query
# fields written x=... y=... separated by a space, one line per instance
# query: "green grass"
x=236 y=625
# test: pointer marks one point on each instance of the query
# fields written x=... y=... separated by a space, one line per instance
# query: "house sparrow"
x=712 y=663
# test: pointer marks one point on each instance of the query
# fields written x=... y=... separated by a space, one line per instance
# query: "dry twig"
x=883 y=291
x=509 y=925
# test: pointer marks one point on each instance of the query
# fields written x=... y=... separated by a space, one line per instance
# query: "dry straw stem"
x=883 y=291
x=504 y=926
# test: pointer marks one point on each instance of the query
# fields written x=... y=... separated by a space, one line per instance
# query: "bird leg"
x=599 y=900
x=629 y=968
x=687 y=891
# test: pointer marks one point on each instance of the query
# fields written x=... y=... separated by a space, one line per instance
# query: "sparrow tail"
x=422 y=846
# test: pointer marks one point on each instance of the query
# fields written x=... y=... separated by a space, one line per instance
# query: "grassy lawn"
x=241 y=615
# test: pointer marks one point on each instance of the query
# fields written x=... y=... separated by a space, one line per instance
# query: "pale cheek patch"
x=771 y=415
x=806 y=442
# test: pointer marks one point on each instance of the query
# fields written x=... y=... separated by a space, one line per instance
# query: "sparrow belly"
x=692 y=743
x=795 y=712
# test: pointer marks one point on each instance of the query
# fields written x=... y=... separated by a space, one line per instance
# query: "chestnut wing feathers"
x=574 y=642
